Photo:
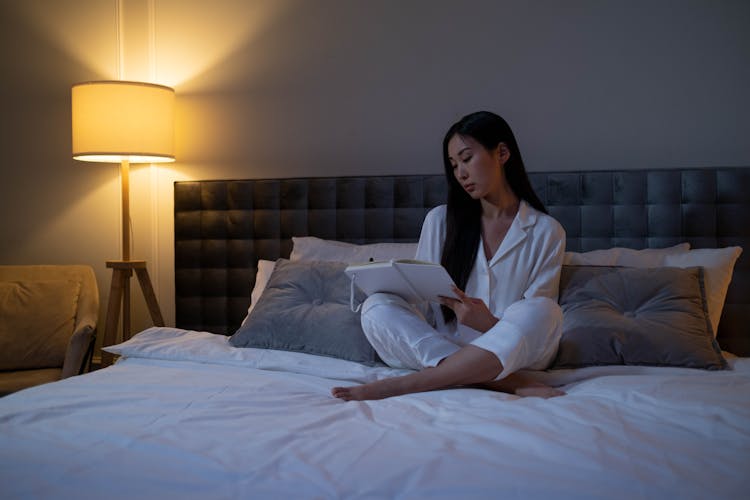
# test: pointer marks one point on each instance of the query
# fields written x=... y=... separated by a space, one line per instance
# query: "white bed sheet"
x=186 y=415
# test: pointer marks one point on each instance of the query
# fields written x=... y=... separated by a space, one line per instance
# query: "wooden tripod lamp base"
x=119 y=294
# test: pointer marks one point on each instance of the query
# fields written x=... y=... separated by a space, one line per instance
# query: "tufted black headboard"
x=222 y=227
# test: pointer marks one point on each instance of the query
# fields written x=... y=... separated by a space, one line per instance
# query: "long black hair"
x=463 y=221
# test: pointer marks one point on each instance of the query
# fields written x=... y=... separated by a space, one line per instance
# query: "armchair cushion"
x=36 y=323
x=80 y=339
x=21 y=379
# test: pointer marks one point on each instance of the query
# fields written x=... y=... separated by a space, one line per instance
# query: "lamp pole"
x=125 y=179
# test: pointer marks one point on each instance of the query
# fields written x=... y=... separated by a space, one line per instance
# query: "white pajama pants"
x=526 y=337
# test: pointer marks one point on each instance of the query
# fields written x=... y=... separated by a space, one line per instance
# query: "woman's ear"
x=503 y=153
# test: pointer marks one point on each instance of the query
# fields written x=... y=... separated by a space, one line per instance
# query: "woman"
x=498 y=243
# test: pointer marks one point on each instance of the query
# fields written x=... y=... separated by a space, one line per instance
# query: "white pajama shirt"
x=519 y=284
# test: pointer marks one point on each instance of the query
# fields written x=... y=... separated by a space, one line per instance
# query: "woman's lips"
x=469 y=188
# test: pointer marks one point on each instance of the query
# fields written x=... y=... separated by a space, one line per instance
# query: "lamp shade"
x=115 y=121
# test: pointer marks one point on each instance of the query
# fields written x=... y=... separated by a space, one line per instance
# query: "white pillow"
x=718 y=265
x=627 y=257
x=265 y=269
x=311 y=248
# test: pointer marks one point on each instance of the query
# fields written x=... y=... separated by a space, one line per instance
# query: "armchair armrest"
x=79 y=348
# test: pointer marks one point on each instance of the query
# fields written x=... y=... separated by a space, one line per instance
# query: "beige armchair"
x=48 y=317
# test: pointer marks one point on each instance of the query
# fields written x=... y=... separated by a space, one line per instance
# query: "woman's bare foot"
x=374 y=390
x=353 y=393
x=522 y=385
x=539 y=391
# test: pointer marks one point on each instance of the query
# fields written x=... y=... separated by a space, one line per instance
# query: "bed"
x=661 y=409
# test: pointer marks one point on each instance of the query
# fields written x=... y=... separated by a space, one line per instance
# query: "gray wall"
x=347 y=87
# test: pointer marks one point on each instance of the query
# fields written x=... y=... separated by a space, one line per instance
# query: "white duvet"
x=185 y=415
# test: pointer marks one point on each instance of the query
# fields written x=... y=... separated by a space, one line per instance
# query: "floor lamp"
x=124 y=122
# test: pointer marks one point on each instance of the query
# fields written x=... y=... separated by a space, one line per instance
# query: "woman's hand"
x=470 y=311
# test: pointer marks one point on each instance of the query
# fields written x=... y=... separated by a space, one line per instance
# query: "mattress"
x=184 y=414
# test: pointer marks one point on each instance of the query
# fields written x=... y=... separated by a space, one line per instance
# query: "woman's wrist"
x=490 y=324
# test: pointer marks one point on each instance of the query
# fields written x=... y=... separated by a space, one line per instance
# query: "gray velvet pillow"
x=628 y=316
x=305 y=308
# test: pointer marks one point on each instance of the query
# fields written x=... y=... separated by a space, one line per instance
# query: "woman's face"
x=477 y=169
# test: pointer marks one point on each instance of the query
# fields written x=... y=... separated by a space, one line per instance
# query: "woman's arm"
x=545 y=273
x=470 y=311
x=432 y=236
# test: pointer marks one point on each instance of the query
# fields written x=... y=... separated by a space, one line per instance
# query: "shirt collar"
x=525 y=218
x=526 y=215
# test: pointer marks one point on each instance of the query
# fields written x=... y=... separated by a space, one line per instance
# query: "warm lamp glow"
x=116 y=121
